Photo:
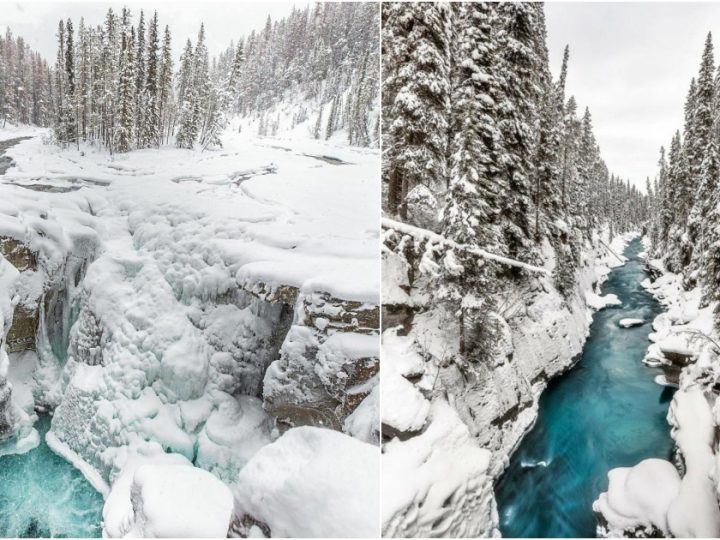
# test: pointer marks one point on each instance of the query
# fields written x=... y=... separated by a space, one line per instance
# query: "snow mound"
x=176 y=501
x=628 y=323
x=312 y=482
x=695 y=512
x=404 y=408
x=639 y=496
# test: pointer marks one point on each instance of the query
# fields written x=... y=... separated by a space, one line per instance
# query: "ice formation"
x=185 y=315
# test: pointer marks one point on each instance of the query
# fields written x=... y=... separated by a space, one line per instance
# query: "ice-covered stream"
x=604 y=413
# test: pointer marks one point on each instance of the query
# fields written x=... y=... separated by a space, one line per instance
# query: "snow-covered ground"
x=437 y=414
x=189 y=302
x=652 y=496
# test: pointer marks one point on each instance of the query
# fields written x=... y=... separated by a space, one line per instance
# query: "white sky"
x=37 y=22
x=631 y=63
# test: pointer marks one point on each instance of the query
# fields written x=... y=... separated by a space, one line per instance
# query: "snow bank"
x=312 y=482
x=9 y=131
x=597 y=302
x=445 y=474
x=639 y=497
x=655 y=495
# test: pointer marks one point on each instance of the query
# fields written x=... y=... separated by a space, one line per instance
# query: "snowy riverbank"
x=177 y=297
x=484 y=409
x=680 y=498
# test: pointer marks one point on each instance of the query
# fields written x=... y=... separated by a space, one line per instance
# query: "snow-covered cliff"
x=439 y=412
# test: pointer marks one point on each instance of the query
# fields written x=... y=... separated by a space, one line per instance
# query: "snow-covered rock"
x=629 y=323
x=311 y=482
x=172 y=501
x=598 y=302
x=638 y=498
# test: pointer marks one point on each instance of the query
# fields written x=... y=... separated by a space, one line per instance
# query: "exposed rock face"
x=8 y=283
x=21 y=336
x=7 y=418
x=328 y=363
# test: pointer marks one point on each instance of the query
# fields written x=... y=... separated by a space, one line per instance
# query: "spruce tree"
x=521 y=68
x=127 y=92
x=417 y=90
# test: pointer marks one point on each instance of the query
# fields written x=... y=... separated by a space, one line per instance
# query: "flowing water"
x=605 y=412
x=42 y=495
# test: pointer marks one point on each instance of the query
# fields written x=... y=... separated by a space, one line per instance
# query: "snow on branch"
x=417 y=232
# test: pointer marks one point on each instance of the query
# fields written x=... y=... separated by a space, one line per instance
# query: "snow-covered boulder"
x=676 y=349
x=174 y=501
x=328 y=363
x=405 y=409
x=311 y=482
x=638 y=498
x=629 y=323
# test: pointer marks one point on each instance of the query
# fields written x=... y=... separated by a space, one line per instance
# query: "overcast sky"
x=631 y=63
x=224 y=21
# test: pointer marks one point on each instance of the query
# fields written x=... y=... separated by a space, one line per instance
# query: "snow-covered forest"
x=116 y=83
x=25 y=84
x=189 y=277
x=483 y=146
x=684 y=196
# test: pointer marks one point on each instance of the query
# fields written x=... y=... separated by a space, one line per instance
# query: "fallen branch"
x=611 y=251
x=417 y=232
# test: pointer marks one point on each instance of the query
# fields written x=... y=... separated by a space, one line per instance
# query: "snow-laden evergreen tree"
x=417 y=92
x=220 y=103
x=150 y=120
x=471 y=215
x=166 y=102
x=548 y=160
x=140 y=79
x=127 y=92
x=703 y=162
x=523 y=57
x=186 y=98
